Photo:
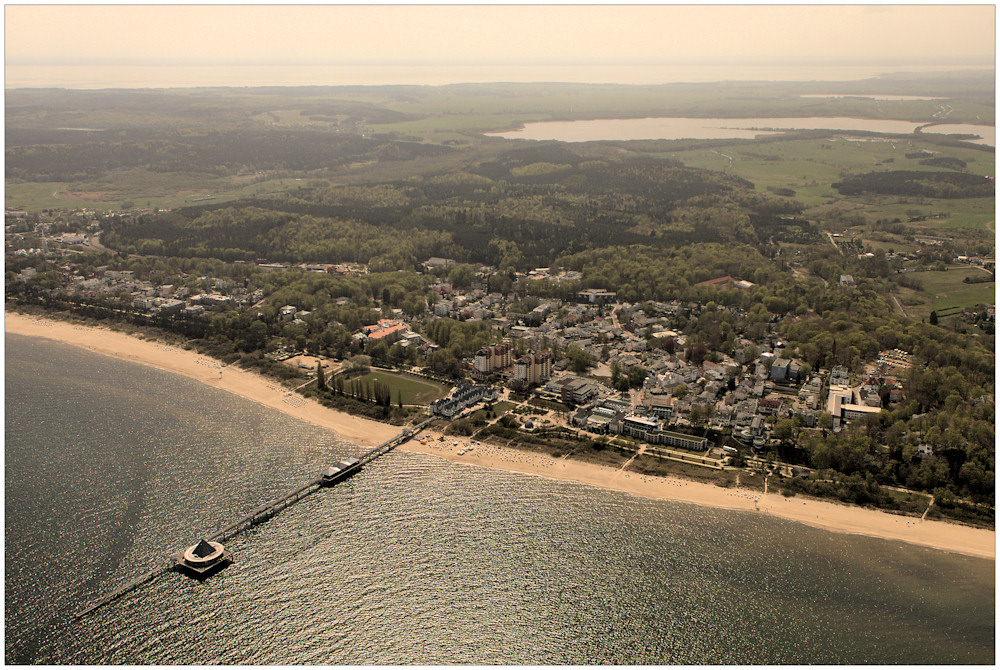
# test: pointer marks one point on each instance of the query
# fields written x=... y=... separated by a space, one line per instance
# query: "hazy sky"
x=478 y=34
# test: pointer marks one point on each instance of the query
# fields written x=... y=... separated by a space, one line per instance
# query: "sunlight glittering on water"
x=414 y=560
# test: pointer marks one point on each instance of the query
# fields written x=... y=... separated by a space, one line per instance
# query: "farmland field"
x=942 y=290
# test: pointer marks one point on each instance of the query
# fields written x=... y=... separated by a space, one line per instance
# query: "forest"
x=926 y=184
x=512 y=212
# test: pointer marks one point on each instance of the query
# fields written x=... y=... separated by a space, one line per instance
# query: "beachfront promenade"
x=262 y=514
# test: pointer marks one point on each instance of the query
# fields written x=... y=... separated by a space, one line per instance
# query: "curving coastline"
x=823 y=514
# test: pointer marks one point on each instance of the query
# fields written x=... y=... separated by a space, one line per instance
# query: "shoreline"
x=827 y=515
x=205 y=369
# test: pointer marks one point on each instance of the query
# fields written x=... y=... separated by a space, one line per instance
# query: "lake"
x=865 y=96
x=678 y=128
x=987 y=134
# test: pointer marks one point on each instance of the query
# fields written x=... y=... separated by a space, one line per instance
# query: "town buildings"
x=492 y=359
x=531 y=369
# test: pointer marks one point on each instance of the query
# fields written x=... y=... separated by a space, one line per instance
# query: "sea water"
x=112 y=466
x=187 y=76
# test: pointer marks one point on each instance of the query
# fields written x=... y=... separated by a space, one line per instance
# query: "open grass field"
x=978 y=213
x=949 y=216
x=736 y=99
x=811 y=167
x=897 y=245
x=163 y=191
x=438 y=114
x=415 y=391
x=498 y=409
x=942 y=290
x=140 y=187
x=34 y=196
x=811 y=164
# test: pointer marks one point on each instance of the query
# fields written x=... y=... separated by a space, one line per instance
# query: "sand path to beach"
x=818 y=513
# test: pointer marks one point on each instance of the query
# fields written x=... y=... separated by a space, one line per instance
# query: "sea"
x=189 y=76
x=113 y=466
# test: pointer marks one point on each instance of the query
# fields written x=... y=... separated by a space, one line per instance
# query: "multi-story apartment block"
x=533 y=369
x=490 y=359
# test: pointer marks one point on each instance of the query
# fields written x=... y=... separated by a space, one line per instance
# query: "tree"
x=461 y=276
x=824 y=420
x=636 y=375
x=359 y=363
x=695 y=353
x=933 y=318
x=579 y=360
x=894 y=435
x=784 y=430
x=379 y=351
x=697 y=415
x=616 y=374
x=320 y=377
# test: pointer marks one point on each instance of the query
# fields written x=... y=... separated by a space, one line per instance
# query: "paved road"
x=898 y=305
x=93 y=243
x=830 y=235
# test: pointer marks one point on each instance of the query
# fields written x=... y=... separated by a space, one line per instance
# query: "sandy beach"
x=819 y=513
x=208 y=370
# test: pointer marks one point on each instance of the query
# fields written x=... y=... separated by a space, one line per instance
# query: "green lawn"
x=899 y=246
x=415 y=391
x=958 y=213
x=942 y=290
x=549 y=404
x=457 y=123
x=498 y=409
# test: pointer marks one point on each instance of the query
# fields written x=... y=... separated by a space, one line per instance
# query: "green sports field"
x=415 y=391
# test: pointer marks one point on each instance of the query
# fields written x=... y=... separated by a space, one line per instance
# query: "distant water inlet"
x=987 y=134
x=866 y=96
x=679 y=128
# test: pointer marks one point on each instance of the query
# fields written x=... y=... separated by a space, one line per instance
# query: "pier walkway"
x=259 y=515
x=272 y=507
x=131 y=586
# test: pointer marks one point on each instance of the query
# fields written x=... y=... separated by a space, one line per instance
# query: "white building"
x=533 y=369
x=493 y=358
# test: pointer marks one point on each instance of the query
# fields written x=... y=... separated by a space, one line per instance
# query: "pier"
x=261 y=514
x=131 y=586
x=264 y=513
